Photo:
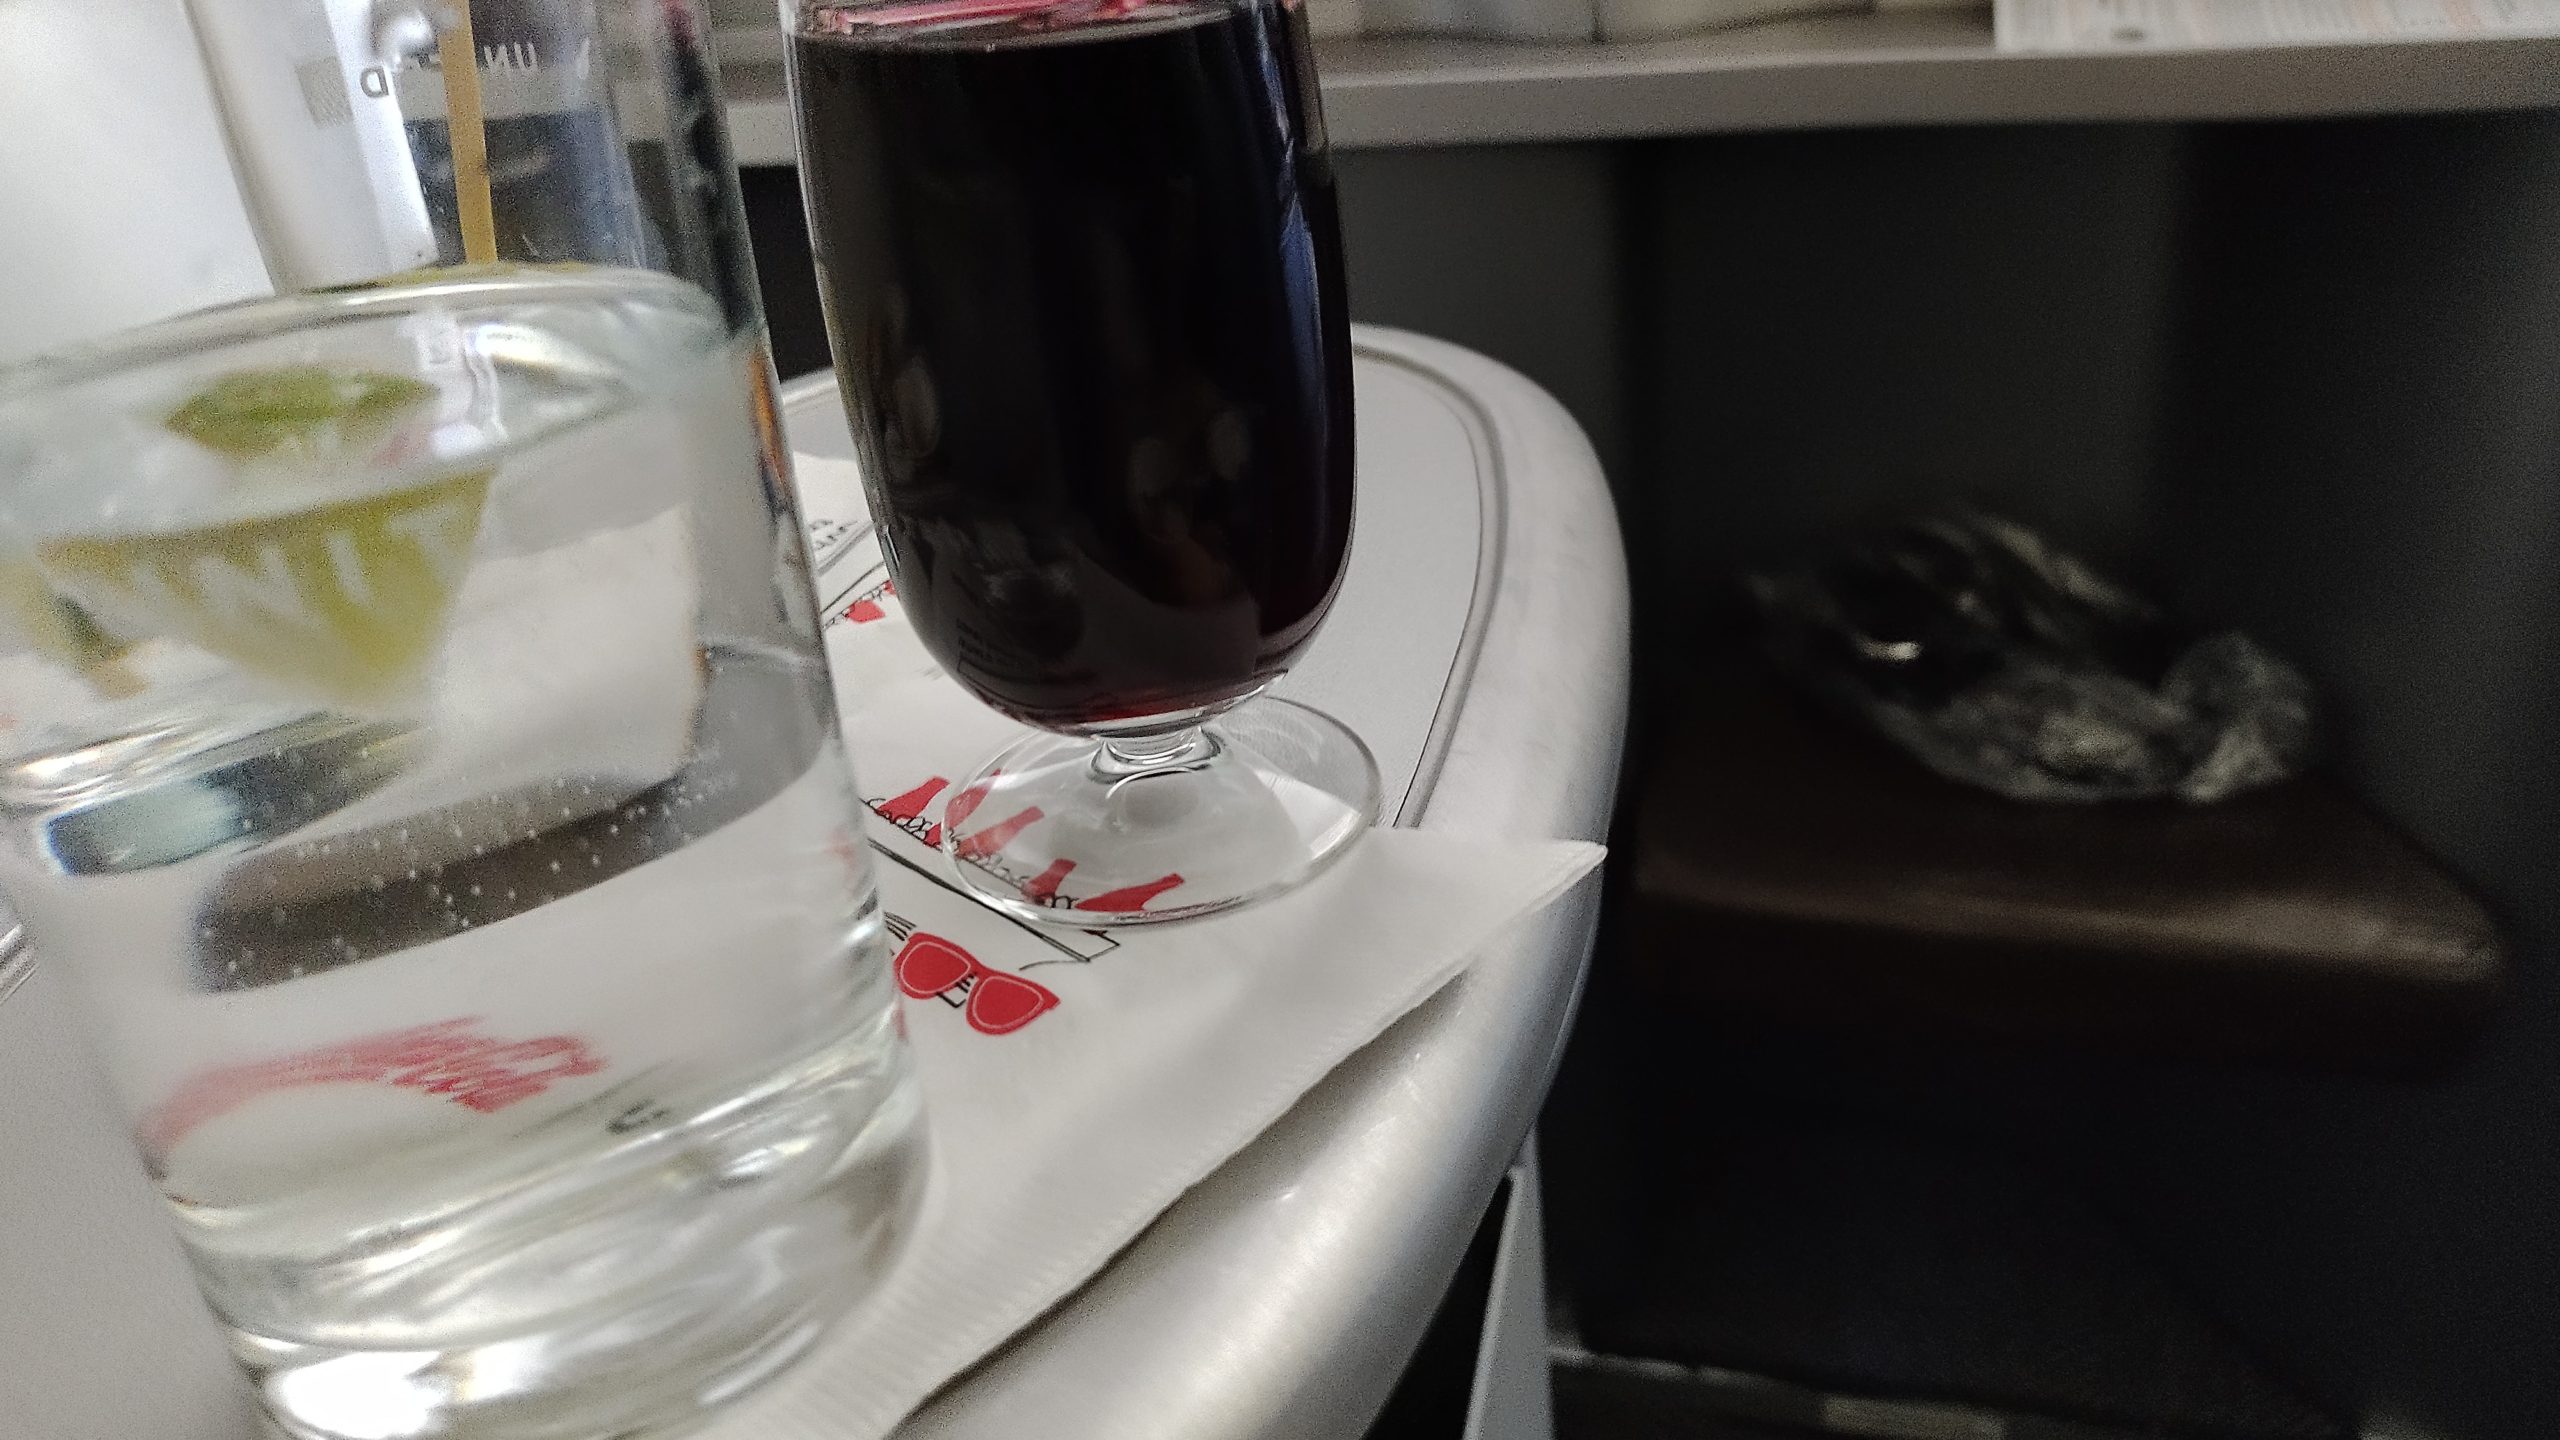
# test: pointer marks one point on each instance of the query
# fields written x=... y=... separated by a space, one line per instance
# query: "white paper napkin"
x=1077 y=1082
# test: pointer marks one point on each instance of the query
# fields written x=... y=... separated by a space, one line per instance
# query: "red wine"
x=1083 y=280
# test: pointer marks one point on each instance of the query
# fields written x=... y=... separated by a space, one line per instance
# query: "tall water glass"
x=417 y=752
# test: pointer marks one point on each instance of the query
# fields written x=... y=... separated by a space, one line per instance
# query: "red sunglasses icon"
x=994 y=1002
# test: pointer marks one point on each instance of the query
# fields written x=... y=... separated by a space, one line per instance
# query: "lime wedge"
x=299 y=411
x=345 y=602
x=52 y=625
x=56 y=627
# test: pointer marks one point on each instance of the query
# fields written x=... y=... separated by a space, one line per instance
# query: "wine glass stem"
x=1184 y=749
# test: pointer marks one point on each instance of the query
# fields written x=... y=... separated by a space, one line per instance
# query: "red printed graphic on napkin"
x=447 y=1059
x=866 y=607
x=930 y=967
x=906 y=810
x=912 y=811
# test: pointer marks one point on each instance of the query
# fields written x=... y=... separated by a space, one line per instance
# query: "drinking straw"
x=460 y=59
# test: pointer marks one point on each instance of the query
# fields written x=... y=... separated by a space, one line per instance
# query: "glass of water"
x=414 y=743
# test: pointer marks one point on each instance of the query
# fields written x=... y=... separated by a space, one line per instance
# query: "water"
x=435 y=792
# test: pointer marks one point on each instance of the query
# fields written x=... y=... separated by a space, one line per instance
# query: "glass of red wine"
x=1083 y=280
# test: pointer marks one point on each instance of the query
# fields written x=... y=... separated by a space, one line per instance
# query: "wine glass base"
x=1063 y=830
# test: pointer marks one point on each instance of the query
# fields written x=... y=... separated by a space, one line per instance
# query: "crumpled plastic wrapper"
x=2002 y=662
